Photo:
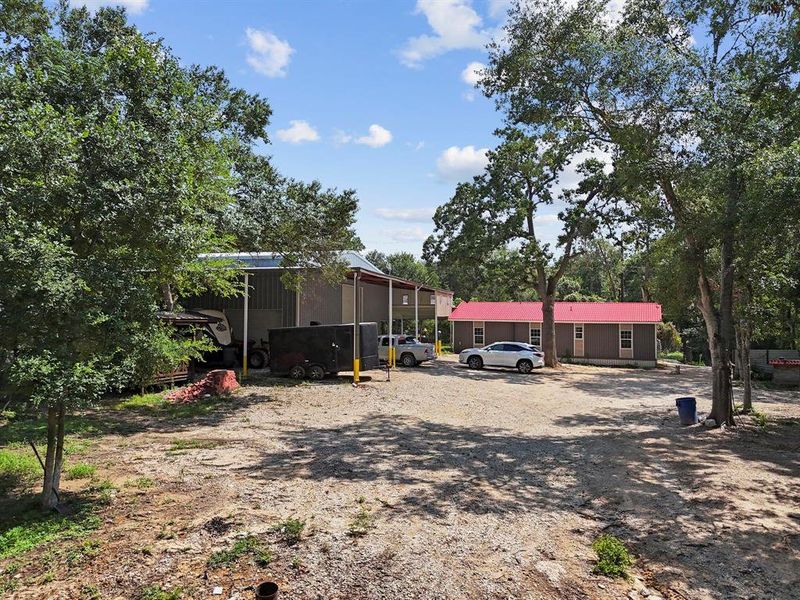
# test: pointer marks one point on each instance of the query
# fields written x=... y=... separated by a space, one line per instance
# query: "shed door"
x=578 y=334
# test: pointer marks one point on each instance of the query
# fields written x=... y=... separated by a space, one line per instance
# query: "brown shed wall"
x=644 y=342
x=462 y=335
x=521 y=332
x=501 y=331
x=564 y=339
x=601 y=340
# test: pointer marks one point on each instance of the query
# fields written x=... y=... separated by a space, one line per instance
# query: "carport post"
x=389 y=357
x=435 y=332
x=356 y=331
x=416 y=313
x=244 y=326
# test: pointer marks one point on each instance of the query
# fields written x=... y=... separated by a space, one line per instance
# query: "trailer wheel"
x=257 y=359
x=297 y=372
x=316 y=372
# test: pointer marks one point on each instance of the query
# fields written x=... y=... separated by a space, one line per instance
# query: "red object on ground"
x=215 y=383
x=565 y=312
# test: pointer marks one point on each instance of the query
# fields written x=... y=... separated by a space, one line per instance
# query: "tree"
x=405 y=266
x=119 y=167
x=499 y=209
x=685 y=93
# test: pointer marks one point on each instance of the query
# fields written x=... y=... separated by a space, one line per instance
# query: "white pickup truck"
x=409 y=351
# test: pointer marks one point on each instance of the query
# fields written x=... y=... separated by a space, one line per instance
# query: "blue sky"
x=373 y=95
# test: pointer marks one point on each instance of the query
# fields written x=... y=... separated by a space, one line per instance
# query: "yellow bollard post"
x=356 y=368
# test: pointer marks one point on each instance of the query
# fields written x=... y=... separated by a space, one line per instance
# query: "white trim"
x=534 y=325
x=482 y=326
x=625 y=327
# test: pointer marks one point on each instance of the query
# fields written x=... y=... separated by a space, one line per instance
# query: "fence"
x=759 y=359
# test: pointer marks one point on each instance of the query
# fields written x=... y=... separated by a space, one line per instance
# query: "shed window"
x=578 y=332
x=405 y=298
x=433 y=298
x=477 y=336
x=536 y=336
x=626 y=339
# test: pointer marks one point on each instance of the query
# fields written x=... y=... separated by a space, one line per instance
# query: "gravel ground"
x=464 y=484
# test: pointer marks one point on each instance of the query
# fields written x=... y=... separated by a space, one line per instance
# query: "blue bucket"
x=687 y=410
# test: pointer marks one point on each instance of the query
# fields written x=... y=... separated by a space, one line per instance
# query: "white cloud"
x=455 y=26
x=407 y=234
x=543 y=219
x=378 y=136
x=269 y=55
x=472 y=73
x=459 y=164
x=298 y=132
x=499 y=8
x=133 y=7
x=416 y=147
x=412 y=215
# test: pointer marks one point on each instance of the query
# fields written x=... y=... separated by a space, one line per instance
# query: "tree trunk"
x=721 y=389
x=169 y=301
x=745 y=373
x=49 y=494
x=549 y=330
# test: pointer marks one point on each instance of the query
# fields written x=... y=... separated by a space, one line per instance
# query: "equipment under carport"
x=316 y=351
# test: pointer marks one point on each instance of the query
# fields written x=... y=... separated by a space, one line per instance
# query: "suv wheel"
x=475 y=362
x=524 y=366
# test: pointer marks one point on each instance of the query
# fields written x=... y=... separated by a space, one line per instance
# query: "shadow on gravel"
x=649 y=486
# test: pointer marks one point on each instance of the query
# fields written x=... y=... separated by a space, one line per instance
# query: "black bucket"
x=267 y=591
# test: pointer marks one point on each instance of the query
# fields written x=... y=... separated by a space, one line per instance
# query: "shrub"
x=291 y=529
x=81 y=471
x=613 y=558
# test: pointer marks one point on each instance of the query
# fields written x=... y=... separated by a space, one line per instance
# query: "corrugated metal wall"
x=462 y=335
x=499 y=332
x=564 y=340
x=320 y=301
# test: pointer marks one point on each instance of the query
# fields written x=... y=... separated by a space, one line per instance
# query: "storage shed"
x=601 y=333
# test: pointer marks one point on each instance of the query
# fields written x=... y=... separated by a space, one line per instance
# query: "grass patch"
x=156 y=404
x=676 y=355
x=246 y=546
x=17 y=469
x=139 y=401
x=141 y=482
x=34 y=528
x=613 y=558
x=759 y=418
x=361 y=523
x=154 y=592
x=81 y=471
x=291 y=529
x=193 y=444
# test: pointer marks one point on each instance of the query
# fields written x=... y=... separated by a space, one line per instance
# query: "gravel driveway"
x=452 y=483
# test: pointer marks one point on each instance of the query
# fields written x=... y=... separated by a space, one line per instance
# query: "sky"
x=372 y=95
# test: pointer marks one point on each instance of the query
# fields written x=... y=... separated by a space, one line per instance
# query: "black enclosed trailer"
x=315 y=351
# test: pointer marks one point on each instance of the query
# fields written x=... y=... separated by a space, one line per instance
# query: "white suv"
x=523 y=357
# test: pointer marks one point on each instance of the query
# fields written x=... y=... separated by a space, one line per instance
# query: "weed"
x=759 y=418
x=361 y=523
x=90 y=592
x=193 y=444
x=105 y=491
x=141 y=482
x=146 y=551
x=139 y=401
x=248 y=545
x=87 y=549
x=154 y=592
x=297 y=562
x=81 y=471
x=613 y=558
x=291 y=529
x=37 y=528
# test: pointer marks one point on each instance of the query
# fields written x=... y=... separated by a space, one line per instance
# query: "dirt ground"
x=461 y=484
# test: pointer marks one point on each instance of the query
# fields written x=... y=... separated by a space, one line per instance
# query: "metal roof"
x=565 y=312
x=272 y=260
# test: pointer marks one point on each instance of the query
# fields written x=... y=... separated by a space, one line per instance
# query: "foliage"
x=17 y=469
x=361 y=523
x=291 y=529
x=613 y=558
x=248 y=545
x=122 y=166
x=154 y=592
x=405 y=266
x=669 y=337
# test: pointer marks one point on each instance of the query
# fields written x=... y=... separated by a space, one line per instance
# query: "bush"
x=613 y=558
x=669 y=337
x=291 y=529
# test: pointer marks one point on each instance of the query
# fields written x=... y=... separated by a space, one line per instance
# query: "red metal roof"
x=565 y=312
